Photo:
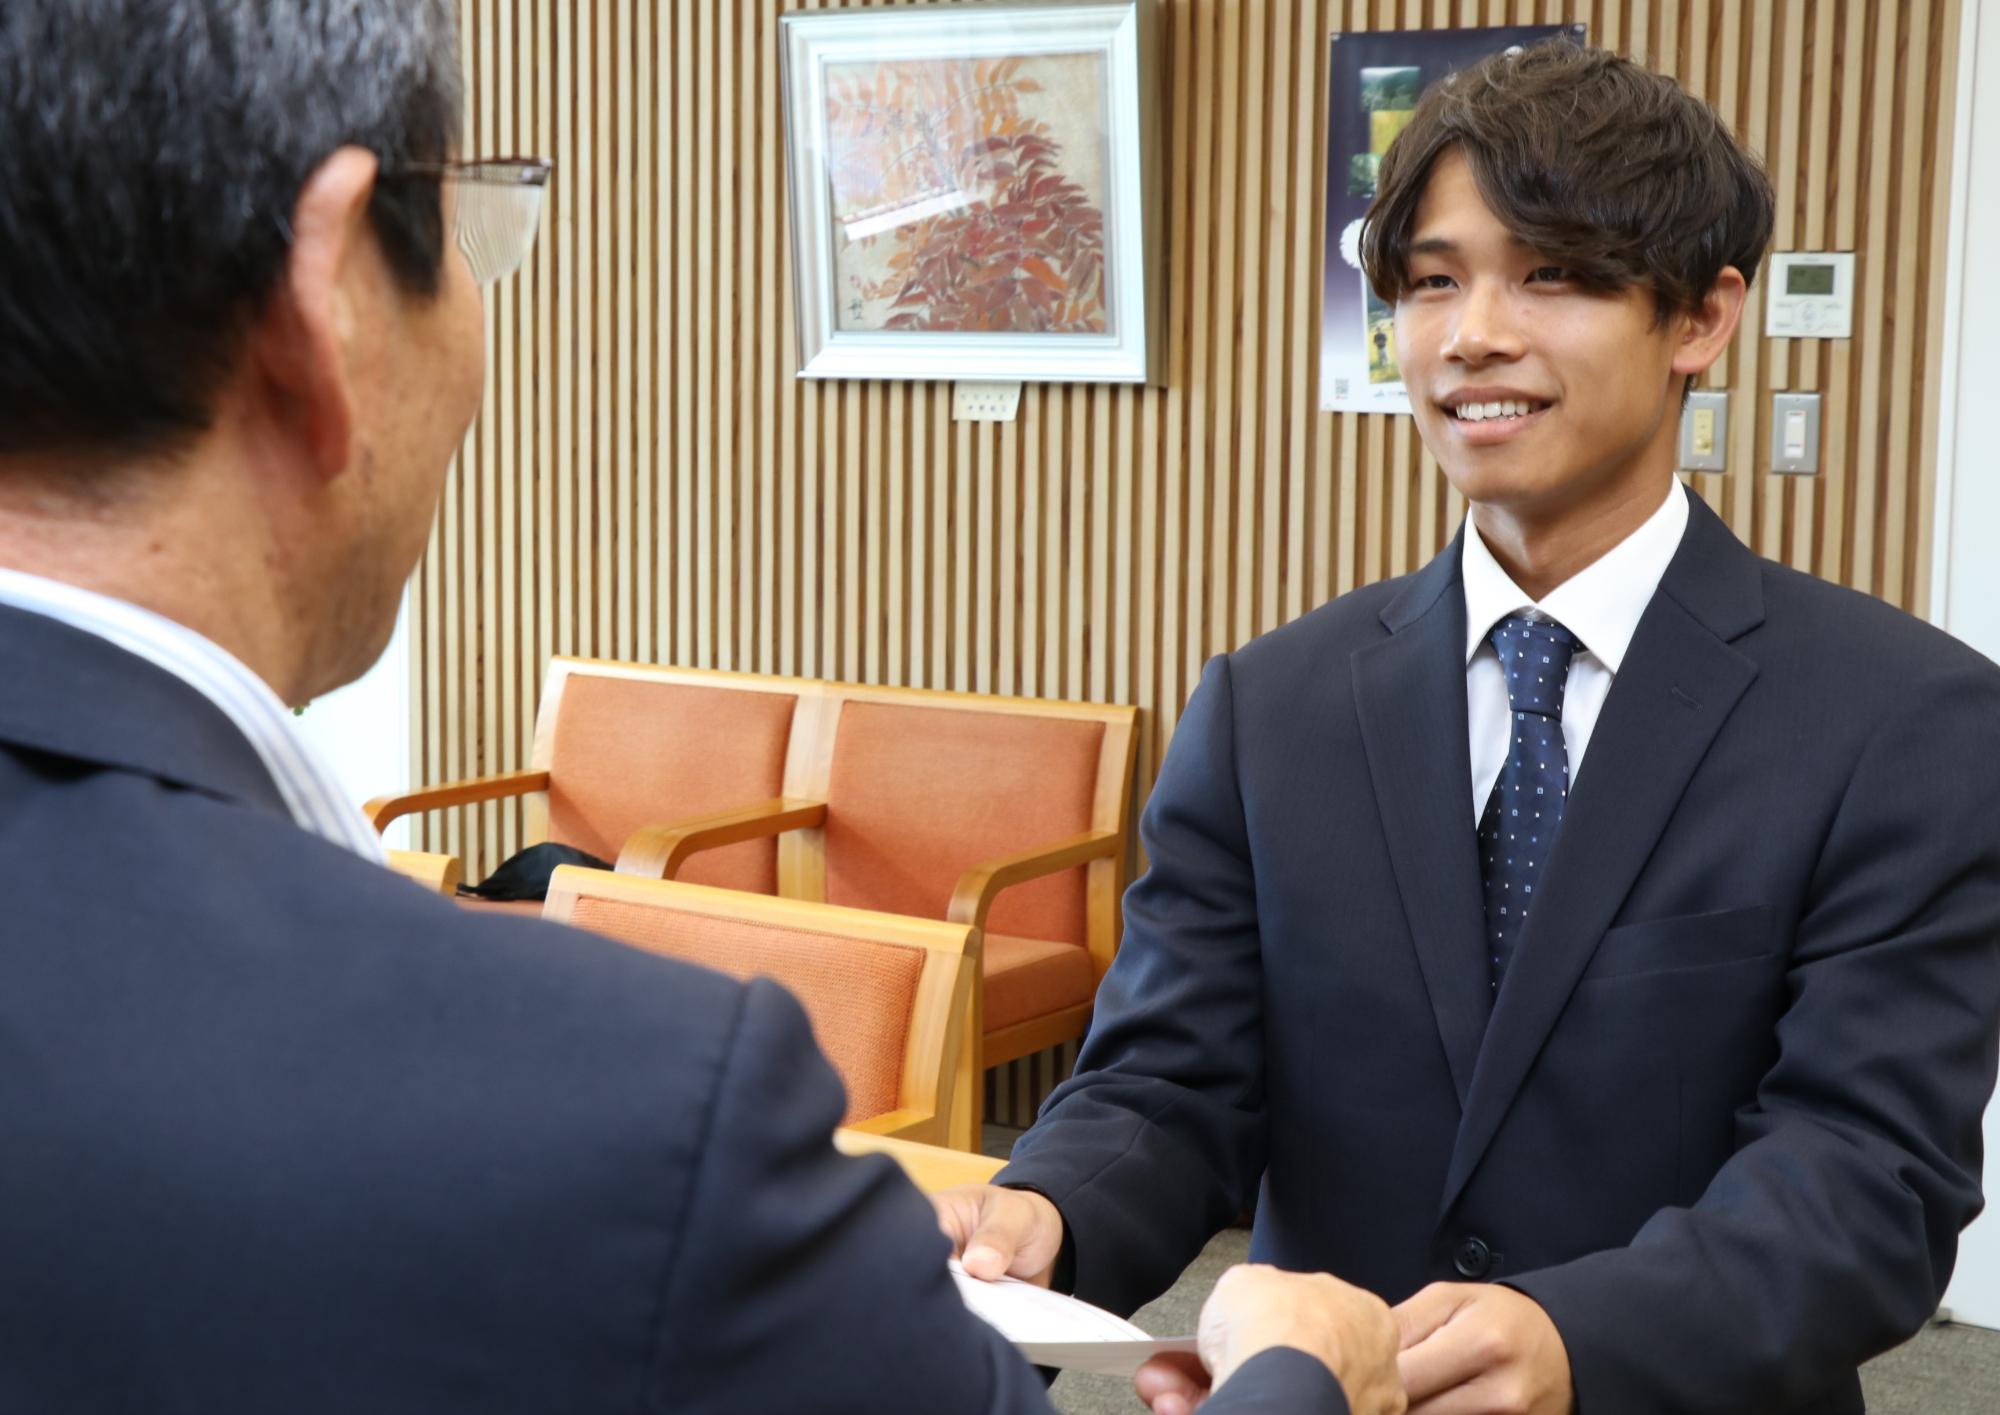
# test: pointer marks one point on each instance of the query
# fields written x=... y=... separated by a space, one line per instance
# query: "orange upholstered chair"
x=438 y=873
x=1009 y=814
x=887 y=995
x=929 y=1167
x=619 y=745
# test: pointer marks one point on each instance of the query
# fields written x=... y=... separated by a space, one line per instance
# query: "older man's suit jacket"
x=1722 y=1120
x=280 y=1132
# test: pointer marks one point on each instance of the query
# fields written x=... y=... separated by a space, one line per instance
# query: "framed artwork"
x=974 y=192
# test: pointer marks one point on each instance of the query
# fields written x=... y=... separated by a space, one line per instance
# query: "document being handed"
x=1050 y=1329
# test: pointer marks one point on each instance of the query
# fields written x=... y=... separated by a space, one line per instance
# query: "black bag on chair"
x=525 y=875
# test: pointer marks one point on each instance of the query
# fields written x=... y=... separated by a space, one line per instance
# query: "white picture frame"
x=918 y=253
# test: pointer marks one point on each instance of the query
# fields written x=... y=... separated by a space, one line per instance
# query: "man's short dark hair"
x=151 y=155
x=1606 y=168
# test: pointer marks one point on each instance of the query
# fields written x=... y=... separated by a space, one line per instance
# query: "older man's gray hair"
x=151 y=152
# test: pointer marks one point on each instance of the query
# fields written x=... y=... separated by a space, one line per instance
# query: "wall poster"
x=1375 y=79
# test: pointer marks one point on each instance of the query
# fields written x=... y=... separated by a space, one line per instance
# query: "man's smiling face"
x=1535 y=393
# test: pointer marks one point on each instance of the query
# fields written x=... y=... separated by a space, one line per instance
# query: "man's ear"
x=1705 y=330
x=303 y=343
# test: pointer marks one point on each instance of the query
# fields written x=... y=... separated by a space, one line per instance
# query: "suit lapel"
x=1410 y=696
x=1679 y=682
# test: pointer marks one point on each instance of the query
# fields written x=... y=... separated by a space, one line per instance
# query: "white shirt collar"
x=1601 y=604
x=308 y=788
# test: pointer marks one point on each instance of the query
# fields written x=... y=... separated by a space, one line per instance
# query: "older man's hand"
x=1255 y=1308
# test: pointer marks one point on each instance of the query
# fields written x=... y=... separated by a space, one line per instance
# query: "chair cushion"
x=630 y=752
x=918 y=795
x=858 y=993
x=1028 y=978
x=526 y=908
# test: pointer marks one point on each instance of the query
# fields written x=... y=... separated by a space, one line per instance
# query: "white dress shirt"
x=1600 y=605
x=309 y=790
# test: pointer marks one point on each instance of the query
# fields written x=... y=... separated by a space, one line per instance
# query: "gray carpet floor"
x=1946 y=1369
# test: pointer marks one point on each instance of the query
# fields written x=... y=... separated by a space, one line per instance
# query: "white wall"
x=1965 y=589
x=363 y=731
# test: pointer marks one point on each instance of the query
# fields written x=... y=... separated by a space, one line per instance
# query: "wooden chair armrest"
x=440 y=874
x=658 y=851
x=384 y=809
x=896 y=1124
x=930 y=1167
x=973 y=899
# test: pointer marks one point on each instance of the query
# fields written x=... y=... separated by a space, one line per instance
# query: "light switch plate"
x=1705 y=432
x=985 y=402
x=1795 y=433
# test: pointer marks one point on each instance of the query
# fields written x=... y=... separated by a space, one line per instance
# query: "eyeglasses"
x=499 y=209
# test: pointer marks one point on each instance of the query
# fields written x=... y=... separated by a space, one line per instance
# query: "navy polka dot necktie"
x=1521 y=817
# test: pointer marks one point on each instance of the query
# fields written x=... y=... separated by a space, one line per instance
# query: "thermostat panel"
x=1811 y=295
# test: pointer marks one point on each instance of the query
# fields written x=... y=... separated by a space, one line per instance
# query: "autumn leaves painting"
x=975 y=191
x=968 y=194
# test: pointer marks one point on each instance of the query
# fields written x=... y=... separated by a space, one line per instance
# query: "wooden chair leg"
x=968 y=1096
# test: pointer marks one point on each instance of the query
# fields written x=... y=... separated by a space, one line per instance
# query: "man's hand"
x=999 y=1232
x=1255 y=1308
x=1474 y=1349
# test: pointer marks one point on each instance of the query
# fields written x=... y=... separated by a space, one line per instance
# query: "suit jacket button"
x=1472 y=1258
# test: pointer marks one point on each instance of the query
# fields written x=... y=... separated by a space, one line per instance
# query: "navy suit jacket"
x=281 y=1132
x=1723 y=1119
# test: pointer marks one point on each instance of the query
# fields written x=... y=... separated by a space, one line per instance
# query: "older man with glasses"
x=278 y=1130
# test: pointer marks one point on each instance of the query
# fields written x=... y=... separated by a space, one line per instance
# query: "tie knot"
x=1535 y=656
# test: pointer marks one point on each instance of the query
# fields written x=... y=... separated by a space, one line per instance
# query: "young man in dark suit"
x=282 y=1132
x=1592 y=941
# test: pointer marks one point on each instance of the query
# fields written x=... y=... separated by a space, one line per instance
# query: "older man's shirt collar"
x=308 y=787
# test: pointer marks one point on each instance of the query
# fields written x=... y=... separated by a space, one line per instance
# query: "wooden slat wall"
x=647 y=480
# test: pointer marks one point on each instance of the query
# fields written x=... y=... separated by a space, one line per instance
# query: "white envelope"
x=1053 y=1330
